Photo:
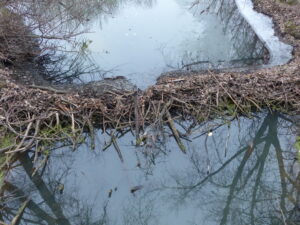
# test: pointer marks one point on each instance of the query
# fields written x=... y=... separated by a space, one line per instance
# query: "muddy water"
x=143 y=39
x=242 y=172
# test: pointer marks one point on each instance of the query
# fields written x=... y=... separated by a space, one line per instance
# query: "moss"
x=292 y=29
x=227 y=108
x=289 y=2
x=4 y=11
x=1 y=179
x=58 y=132
x=297 y=146
x=200 y=118
x=2 y=175
x=55 y=133
x=7 y=140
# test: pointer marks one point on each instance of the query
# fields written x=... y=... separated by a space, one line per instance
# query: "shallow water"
x=279 y=53
x=243 y=172
x=142 y=39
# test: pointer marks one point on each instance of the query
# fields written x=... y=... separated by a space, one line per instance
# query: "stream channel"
x=236 y=171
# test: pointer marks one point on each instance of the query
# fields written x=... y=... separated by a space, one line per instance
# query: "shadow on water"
x=240 y=172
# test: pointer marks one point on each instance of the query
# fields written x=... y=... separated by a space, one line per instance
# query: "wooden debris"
x=136 y=188
x=16 y=220
x=175 y=133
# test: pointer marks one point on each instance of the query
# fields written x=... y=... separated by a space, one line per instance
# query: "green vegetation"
x=289 y=2
x=7 y=140
x=297 y=146
x=293 y=29
x=4 y=11
x=59 y=133
x=2 y=161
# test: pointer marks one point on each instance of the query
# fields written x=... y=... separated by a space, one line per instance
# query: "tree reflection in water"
x=57 y=26
x=257 y=182
x=246 y=49
x=245 y=189
x=66 y=56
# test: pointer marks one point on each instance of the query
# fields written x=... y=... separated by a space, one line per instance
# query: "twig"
x=115 y=144
x=48 y=89
x=16 y=220
x=175 y=132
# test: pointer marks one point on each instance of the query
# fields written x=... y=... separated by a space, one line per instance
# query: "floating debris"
x=110 y=193
x=136 y=188
x=61 y=188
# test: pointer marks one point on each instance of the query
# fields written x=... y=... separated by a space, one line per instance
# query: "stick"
x=175 y=132
x=92 y=133
x=16 y=220
x=48 y=89
x=137 y=122
x=117 y=148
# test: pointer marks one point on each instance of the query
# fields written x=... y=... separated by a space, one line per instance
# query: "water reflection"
x=140 y=38
x=244 y=173
x=175 y=35
x=246 y=49
x=256 y=189
x=56 y=25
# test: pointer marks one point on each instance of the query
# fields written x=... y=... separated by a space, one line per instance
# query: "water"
x=280 y=53
x=244 y=172
x=235 y=172
x=142 y=39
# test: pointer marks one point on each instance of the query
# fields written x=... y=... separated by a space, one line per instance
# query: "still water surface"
x=244 y=172
x=142 y=39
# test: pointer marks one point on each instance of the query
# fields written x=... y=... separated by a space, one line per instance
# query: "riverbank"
x=25 y=111
x=286 y=19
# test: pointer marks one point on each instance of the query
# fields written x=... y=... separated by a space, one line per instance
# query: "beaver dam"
x=149 y=112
